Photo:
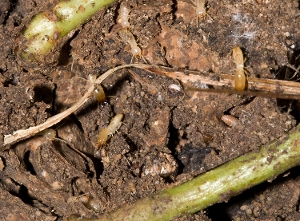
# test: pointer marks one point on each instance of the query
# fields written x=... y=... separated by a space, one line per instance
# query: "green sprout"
x=46 y=29
x=217 y=185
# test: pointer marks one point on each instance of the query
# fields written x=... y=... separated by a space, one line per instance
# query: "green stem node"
x=47 y=28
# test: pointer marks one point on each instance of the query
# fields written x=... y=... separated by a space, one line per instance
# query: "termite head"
x=200 y=8
x=136 y=51
x=201 y=13
x=99 y=94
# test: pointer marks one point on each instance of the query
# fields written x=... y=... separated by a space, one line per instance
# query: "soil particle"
x=12 y=208
x=192 y=158
x=268 y=206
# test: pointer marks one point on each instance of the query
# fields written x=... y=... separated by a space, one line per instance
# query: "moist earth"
x=165 y=125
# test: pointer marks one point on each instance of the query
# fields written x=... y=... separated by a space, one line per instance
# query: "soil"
x=164 y=125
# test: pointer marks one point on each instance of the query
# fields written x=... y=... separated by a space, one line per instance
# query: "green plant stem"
x=215 y=186
x=47 y=28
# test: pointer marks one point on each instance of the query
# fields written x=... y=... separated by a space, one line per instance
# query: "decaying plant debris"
x=51 y=177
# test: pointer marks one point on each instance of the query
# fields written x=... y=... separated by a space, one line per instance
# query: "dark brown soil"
x=181 y=130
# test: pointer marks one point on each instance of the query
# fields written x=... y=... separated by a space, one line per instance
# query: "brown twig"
x=222 y=83
x=31 y=131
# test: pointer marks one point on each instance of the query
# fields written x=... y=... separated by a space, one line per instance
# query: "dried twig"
x=263 y=87
x=22 y=134
x=256 y=86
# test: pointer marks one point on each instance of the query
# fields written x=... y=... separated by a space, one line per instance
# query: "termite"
x=125 y=34
x=124 y=13
x=88 y=201
x=239 y=77
x=229 y=120
x=51 y=135
x=48 y=133
x=200 y=9
x=113 y=126
x=128 y=37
